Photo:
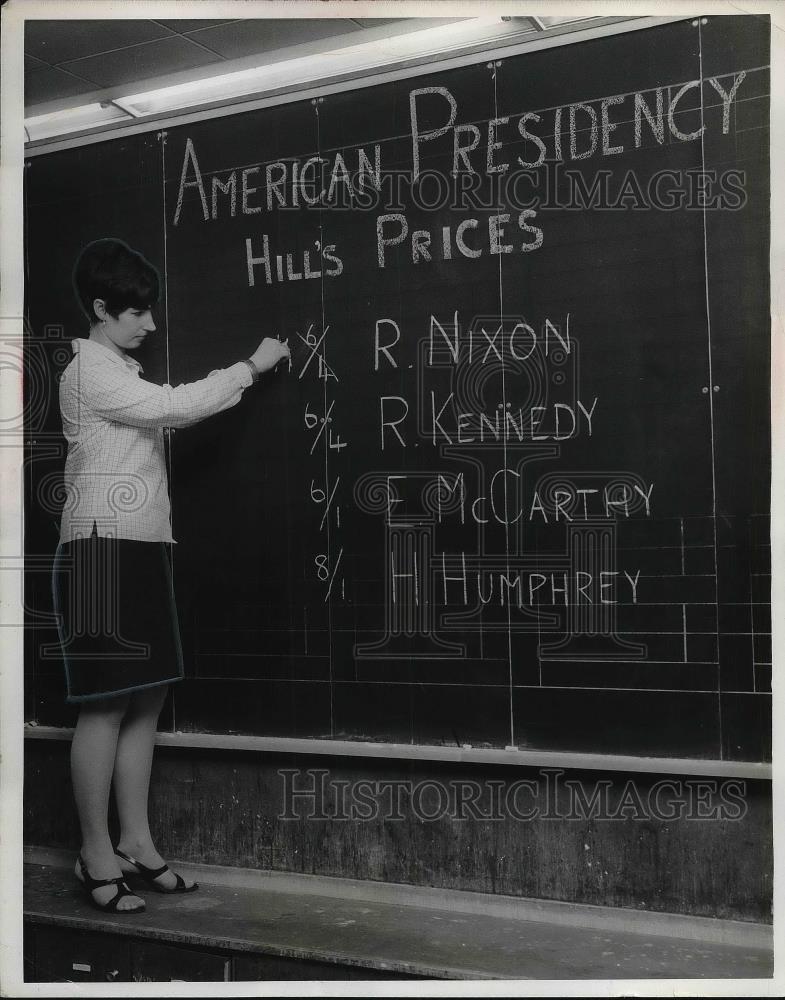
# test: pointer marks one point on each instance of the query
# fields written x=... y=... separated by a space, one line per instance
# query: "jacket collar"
x=96 y=350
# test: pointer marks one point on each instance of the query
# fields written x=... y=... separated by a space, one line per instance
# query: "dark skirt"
x=116 y=616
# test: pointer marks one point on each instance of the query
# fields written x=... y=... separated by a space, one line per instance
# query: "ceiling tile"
x=143 y=62
x=50 y=84
x=244 y=38
x=62 y=41
x=183 y=25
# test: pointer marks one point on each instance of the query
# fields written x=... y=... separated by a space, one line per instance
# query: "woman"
x=112 y=583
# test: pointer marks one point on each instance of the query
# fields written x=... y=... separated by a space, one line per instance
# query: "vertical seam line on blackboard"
x=168 y=450
x=710 y=394
x=684 y=628
x=166 y=259
x=162 y=137
x=504 y=447
x=752 y=610
x=326 y=441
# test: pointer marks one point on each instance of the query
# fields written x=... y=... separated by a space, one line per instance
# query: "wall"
x=224 y=808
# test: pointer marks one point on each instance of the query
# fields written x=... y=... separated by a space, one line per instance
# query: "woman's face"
x=130 y=328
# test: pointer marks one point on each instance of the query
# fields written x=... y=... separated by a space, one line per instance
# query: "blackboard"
x=514 y=490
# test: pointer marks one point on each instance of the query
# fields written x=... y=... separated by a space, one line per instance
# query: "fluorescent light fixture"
x=75 y=120
x=551 y=22
x=351 y=58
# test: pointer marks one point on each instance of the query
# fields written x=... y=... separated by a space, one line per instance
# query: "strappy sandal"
x=90 y=884
x=150 y=875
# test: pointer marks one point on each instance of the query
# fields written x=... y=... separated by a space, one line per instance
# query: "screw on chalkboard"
x=162 y=136
x=700 y=20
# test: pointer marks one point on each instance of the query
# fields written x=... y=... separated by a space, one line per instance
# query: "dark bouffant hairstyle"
x=108 y=269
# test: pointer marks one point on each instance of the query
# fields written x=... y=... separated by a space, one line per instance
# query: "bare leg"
x=92 y=761
x=133 y=763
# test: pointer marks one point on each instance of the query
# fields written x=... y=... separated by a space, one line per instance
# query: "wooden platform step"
x=254 y=929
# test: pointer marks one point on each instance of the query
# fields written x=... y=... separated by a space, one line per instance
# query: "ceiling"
x=87 y=78
x=74 y=62
x=66 y=60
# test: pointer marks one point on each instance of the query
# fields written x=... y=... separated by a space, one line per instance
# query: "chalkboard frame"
x=572 y=761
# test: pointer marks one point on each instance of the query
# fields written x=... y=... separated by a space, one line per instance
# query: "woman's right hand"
x=270 y=353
